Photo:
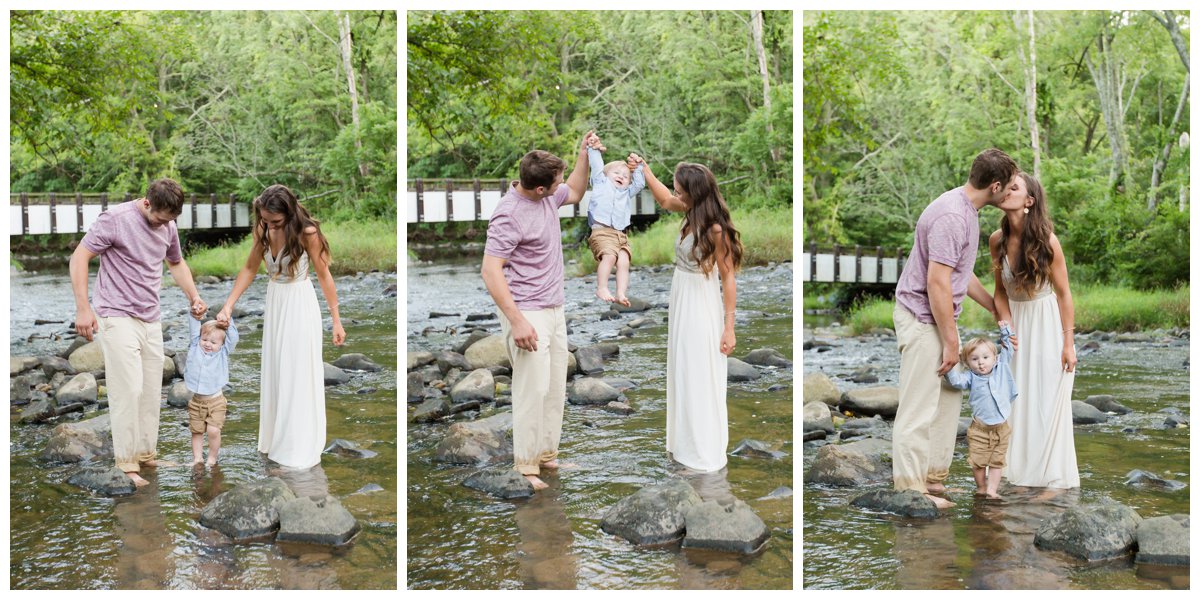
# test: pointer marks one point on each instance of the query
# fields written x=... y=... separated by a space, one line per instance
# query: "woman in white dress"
x=700 y=333
x=291 y=427
x=1032 y=292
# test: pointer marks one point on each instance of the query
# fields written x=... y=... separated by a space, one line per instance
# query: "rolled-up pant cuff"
x=528 y=469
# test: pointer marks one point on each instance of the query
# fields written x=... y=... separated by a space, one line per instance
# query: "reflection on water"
x=544 y=550
x=143 y=562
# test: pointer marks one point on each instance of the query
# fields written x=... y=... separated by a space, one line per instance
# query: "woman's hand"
x=223 y=316
x=728 y=342
x=339 y=334
x=1068 y=359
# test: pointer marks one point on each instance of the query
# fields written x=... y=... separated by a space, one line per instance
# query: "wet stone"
x=589 y=390
x=1164 y=541
x=501 y=482
x=1150 y=481
x=867 y=402
x=348 y=449
x=356 y=362
x=728 y=528
x=620 y=408
x=1107 y=404
x=767 y=357
x=1086 y=414
x=907 y=503
x=178 y=395
x=757 y=449
x=740 y=371
x=1091 y=531
x=447 y=360
x=103 y=480
x=322 y=521
x=249 y=510
x=432 y=410
x=334 y=375
x=81 y=441
x=653 y=514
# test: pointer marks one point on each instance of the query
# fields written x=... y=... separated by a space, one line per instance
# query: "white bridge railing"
x=442 y=200
x=852 y=265
x=39 y=214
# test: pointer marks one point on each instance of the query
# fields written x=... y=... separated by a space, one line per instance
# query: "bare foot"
x=994 y=496
x=137 y=479
x=605 y=295
x=538 y=484
x=980 y=492
x=554 y=464
x=159 y=463
x=623 y=301
x=197 y=461
x=212 y=462
x=941 y=503
x=935 y=488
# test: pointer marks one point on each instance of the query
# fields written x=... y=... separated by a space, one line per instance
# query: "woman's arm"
x=1066 y=304
x=728 y=289
x=661 y=194
x=320 y=262
x=244 y=278
x=999 y=295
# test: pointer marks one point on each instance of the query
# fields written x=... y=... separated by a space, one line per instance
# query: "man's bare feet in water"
x=935 y=488
x=604 y=295
x=137 y=479
x=941 y=503
x=159 y=463
x=537 y=484
x=622 y=300
x=554 y=464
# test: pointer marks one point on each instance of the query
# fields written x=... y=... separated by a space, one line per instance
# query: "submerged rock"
x=1147 y=480
x=855 y=464
x=757 y=449
x=767 y=357
x=356 y=362
x=906 y=503
x=249 y=510
x=740 y=371
x=653 y=514
x=322 y=521
x=1086 y=414
x=103 y=480
x=1091 y=531
x=348 y=449
x=82 y=441
x=1107 y=404
x=475 y=442
x=1164 y=541
x=729 y=528
x=334 y=375
x=501 y=482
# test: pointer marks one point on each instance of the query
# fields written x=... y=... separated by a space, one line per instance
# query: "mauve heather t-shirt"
x=527 y=234
x=947 y=233
x=131 y=261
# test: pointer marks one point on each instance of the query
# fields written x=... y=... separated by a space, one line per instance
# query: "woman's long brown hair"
x=708 y=208
x=1034 y=254
x=279 y=199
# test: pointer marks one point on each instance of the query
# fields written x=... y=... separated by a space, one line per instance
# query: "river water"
x=64 y=538
x=990 y=545
x=462 y=539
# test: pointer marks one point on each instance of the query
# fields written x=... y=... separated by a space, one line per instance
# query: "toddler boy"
x=613 y=185
x=989 y=381
x=206 y=375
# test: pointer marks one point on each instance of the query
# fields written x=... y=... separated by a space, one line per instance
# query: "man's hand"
x=949 y=359
x=85 y=323
x=199 y=308
x=591 y=140
x=525 y=336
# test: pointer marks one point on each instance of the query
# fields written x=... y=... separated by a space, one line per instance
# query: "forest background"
x=1095 y=104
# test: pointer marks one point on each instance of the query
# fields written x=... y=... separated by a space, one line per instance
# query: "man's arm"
x=85 y=319
x=524 y=335
x=183 y=278
x=577 y=182
x=941 y=303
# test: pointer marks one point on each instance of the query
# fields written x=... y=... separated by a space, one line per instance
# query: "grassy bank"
x=1097 y=308
x=766 y=234
x=355 y=246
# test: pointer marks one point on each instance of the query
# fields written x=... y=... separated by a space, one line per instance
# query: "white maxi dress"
x=1041 y=452
x=697 y=420
x=291 y=426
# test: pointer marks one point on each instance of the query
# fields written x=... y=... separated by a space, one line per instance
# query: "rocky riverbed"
x=1126 y=527
x=76 y=521
x=611 y=521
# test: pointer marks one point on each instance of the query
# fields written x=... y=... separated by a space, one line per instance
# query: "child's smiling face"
x=619 y=174
x=211 y=341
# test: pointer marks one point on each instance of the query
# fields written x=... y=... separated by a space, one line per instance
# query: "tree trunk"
x=1168 y=20
x=756 y=31
x=1160 y=164
x=343 y=21
x=1030 y=90
x=1109 y=78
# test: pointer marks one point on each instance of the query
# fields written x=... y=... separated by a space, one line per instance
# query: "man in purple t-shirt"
x=929 y=294
x=523 y=272
x=132 y=240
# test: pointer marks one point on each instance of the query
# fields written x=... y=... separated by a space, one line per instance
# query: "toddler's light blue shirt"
x=608 y=204
x=206 y=374
x=991 y=395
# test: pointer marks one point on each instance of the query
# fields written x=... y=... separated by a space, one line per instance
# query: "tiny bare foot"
x=623 y=301
x=537 y=484
x=605 y=295
x=935 y=488
x=212 y=462
x=941 y=503
x=137 y=479
x=981 y=492
x=197 y=461
x=993 y=496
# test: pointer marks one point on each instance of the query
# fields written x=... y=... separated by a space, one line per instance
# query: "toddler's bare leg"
x=993 y=482
x=197 y=448
x=602 y=272
x=622 y=277
x=214 y=445
x=980 y=480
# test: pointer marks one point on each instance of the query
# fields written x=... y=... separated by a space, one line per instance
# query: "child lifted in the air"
x=613 y=186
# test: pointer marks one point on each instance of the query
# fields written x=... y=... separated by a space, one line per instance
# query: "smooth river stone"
x=249 y=510
x=1091 y=531
x=651 y=515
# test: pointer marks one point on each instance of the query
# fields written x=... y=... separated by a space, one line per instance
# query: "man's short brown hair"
x=165 y=195
x=990 y=166
x=540 y=168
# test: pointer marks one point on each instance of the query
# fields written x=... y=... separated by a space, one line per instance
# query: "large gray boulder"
x=591 y=361
x=250 y=510
x=478 y=386
x=1164 y=541
x=907 y=503
x=416 y=386
x=1146 y=480
x=178 y=395
x=852 y=465
x=871 y=401
x=88 y=358
x=470 y=341
x=729 y=528
x=592 y=391
x=52 y=364
x=81 y=441
x=653 y=514
x=416 y=360
x=1108 y=404
x=348 y=449
x=1091 y=531
x=322 y=521
x=817 y=417
x=432 y=409
x=740 y=371
x=37 y=411
x=356 y=362
x=168 y=372
x=447 y=360
x=1086 y=414
x=491 y=351
x=105 y=480
x=501 y=482
x=477 y=442
x=757 y=449
x=767 y=357
x=20 y=364
x=334 y=375
x=819 y=388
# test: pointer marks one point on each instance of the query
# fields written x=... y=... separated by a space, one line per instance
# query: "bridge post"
x=53 y=217
x=212 y=205
x=878 y=264
x=78 y=212
x=449 y=200
x=837 y=262
x=103 y=202
x=857 y=263
x=478 y=200
x=420 y=201
x=812 y=259
x=24 y=213
x=192 y=202
x=232 y=213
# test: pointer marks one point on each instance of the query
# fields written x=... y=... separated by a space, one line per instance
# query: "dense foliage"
x=897 y=104
x=224 y=102
x=484 y=88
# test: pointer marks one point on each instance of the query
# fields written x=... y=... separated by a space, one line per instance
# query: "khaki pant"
x=205 y=411
x=927 y=417
x=987 y=445
x=133 y=372
x=539 y=388
x=606 y=240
